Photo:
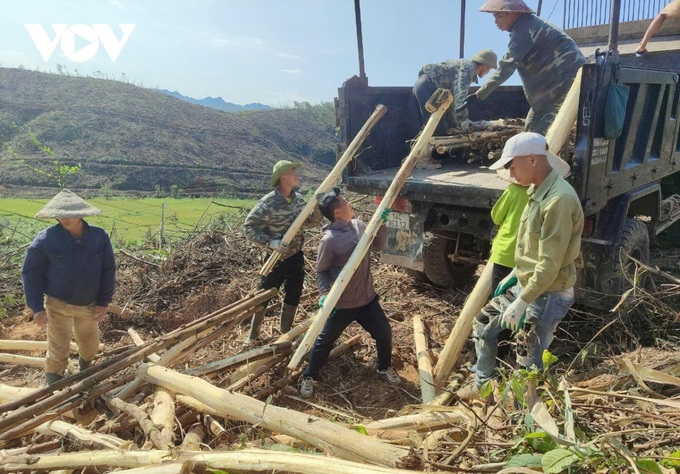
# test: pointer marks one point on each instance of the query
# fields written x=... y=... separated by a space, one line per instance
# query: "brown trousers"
x=63 y=320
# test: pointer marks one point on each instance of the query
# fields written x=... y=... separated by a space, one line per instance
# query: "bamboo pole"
x=427 y=388
x=463 y=327
x=441 y=99
x=325 y=186
x=170 y=461
x=325 y=435
x=23 y=345
x=22 y=360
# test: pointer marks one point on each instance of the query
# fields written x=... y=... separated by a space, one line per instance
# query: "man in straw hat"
x=69 y=277
x=456 y=75
x=545 y=57
x=540 y=289
x=266 y=224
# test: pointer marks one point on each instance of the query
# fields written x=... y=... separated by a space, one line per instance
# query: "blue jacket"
x=78 y=271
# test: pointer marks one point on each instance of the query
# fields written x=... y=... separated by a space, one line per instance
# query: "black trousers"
x=291 y=274
x=371 y=317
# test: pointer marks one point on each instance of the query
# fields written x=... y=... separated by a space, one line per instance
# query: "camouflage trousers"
x=545 y=106
x=542 y=318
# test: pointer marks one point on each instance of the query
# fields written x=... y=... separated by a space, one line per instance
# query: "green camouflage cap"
x=487 y=58
x=497 y=6
x=67 y=204
x=282 y=167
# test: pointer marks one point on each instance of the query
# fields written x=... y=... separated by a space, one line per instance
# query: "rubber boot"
x=287 y=317
x=255 y=325
x=51 y=378
x=83 y=364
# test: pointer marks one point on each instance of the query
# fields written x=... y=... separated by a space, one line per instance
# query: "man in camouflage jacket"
x=266 y=224
x=456 y=75
x=546 y=58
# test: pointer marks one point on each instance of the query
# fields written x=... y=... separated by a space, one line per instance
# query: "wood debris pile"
x=191 y=398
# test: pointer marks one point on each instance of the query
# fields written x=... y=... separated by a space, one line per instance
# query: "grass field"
x=130 y=222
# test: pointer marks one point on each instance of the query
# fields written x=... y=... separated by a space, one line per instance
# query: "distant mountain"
x=216 y=102
x=130 y=138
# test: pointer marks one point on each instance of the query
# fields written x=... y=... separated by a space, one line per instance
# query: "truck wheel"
x=634 y=242
x=439 y=268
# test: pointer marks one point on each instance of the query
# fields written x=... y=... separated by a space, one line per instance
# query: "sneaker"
x=640 y=54
x=390 y=375
x=307 y=387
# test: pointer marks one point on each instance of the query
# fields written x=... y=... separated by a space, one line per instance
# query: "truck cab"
x=441 y=224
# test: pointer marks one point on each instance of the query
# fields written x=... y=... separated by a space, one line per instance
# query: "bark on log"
x=22 y=360
x=429 y=420
x=323 y=434
x=252 y=355
x=150 y=429
x=427 y=388
x=194 y=438
x=215 y=428
x=166 y=462
x=80 y=434
x=163 y=414
x=325 y=186
x=444 y=100
x=463 y=327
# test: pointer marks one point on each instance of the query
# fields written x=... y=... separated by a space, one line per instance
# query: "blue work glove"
x=384 y=215
x=322 y=300
x=514 y=315
x=470 y=99
x=507 y=282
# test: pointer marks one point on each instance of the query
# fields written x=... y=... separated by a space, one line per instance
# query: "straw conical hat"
x=67 y=204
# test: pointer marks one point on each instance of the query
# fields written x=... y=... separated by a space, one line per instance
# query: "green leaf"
x=541 y=441
x=524 y=460
x=361 y=429
x=486 y=390
x=216 y=471
x=648 y=466
x=548 y=359
x=675 y=462
x=557 y=460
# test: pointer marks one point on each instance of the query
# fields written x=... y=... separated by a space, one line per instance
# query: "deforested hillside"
x=132 y=138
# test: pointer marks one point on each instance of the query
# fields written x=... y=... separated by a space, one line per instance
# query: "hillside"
x=133 y=138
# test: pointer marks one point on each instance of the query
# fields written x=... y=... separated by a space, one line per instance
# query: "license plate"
x=398 y=220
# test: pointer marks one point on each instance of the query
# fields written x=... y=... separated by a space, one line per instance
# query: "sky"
x=275 y=52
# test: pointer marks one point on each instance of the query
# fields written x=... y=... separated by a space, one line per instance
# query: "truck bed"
x=469 y=185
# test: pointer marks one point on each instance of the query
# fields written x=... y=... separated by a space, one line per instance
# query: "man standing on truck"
x=546 y=58
x=265 y=225
x=540 y=288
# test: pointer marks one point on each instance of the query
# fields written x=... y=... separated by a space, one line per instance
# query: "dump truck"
x=441 y=227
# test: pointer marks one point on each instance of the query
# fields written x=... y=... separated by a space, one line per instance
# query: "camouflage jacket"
x=455 y=75
x=546 y=58
x=272 y=216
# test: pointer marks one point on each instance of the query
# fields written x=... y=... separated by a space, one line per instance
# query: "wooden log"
x=215 y=428
x=22 y=360
x=560 y=128
x=429 y=420
x=152 y=462
x=463 y=327
x=163 y=413
x=23 y=345
x=194 y=404
x=80 y=434
x=150 y=429
x=444 y=100
x=333 y=177
x=445 y=396
x=137 y=339
x=427 y=388
x=256 y=372
x=325 y=435
x=10 y=394
x=268 y=351
x=194 y=438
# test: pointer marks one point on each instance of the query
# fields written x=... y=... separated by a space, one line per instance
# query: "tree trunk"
x=80 y=434
x=163 y=414
x=427 y=388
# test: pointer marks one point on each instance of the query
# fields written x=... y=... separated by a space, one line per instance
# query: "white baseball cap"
x=530 y=143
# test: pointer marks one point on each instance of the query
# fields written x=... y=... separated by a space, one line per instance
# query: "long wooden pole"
x=556 y=137
x=427 y=387
x=441 y=100
x=325 y=186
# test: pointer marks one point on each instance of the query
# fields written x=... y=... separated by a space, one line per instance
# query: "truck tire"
x=634 y=242
x=439 y=268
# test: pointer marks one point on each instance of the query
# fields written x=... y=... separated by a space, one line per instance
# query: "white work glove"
x=466 y=125
x=514 y=314
x=275 y=243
